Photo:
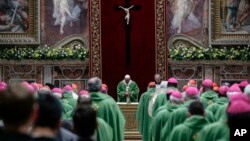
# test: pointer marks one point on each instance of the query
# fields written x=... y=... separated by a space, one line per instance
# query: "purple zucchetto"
x=67 y=88
x=172 y=80
x=207 y=83
x=238 y=107
x=192 y=91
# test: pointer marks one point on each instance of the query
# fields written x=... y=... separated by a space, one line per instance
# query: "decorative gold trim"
x=160 y=37
x=209 y=62
x=95 y=38
x=160 y=43
x=32 y=36
x=216 y=37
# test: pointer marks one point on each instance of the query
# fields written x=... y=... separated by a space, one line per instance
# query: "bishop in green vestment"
x=127 y=90
x=214 y=108
x=233 y=92
x=223 y=95
x=181 y=114
x=215 y=131
x=162 y=115
x=161 y=99
x=208 y=96
x=220 y=101
x=142 y=115
x=238 y=114
x=221 y=113
x=104 y=131
x=189 y=130
x=163 y=96
x=68 y=96
x=237 y=117
x=107 y=109
x=67 y=108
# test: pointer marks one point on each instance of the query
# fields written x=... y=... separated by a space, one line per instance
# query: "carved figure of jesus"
x=127 y=16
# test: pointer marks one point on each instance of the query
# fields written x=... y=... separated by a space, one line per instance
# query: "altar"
x=131 y=127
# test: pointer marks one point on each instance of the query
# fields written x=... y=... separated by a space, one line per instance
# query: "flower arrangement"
x=44 y=53
x=211 y=53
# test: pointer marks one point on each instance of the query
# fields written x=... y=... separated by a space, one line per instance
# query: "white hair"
x=94 y=84
x=57 y=95
x=247 y=90
x=229 y=94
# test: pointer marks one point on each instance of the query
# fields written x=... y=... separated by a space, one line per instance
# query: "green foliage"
x=212 y=53
x=44 y=53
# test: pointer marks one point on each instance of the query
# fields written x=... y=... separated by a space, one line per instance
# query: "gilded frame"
x=32 y=36
x=216 y=37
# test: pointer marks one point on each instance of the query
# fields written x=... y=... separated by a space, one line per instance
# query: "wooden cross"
x=126 y=8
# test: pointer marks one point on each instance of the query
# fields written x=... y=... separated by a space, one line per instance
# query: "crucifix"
x=127 y=8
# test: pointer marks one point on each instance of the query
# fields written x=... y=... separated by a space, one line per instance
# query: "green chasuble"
x=69 y=98
x=189 y=130
x=215 y=132
x=132 y=88
x=169 y=107
x=161 y=100
x=208 y=98
x=179 y=116
x=222 y=100
x=157 y=124
x=221 y=113
x=160 y=119
x=108 y=110
x=67 y=110
x=215 y=106
x=187 y=103
x=142 y=115
x=104 y=131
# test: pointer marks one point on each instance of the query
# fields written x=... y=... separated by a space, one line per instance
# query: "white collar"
x=130 y=81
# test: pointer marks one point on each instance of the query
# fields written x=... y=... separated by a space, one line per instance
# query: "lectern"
x=131 y=127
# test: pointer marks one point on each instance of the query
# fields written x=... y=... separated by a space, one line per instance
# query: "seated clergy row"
x=204 y=114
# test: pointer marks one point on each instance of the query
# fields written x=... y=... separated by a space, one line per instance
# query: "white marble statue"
x=127 y=16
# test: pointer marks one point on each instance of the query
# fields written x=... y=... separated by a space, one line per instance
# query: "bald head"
x=94 y=84
x=157 y=78
x=127 y=78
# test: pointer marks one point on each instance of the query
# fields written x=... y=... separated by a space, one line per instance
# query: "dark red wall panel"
x=142 y=66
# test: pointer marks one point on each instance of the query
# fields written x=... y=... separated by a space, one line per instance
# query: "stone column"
x=209 y=72
x=47 y=74
x=1 y=73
